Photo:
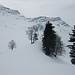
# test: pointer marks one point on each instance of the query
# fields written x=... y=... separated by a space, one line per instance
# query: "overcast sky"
x=51 y=8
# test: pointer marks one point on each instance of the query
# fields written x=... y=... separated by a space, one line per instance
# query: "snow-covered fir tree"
x=49 y=38
x=72 y=52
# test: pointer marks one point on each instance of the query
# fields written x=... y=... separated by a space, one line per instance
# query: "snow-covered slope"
x=30 y=60
x=27 y=59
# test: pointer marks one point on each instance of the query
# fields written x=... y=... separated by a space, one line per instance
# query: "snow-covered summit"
x=6 y=10
x=21 y=22
x=41 y=19
x=44 y=18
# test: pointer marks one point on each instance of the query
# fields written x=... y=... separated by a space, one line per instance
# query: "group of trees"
x=52 y=44
x=51 y=41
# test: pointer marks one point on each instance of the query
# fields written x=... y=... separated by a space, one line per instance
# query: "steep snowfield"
x=27 y=59
x=10 y=29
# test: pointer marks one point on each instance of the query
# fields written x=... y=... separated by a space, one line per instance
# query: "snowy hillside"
x=27 y=59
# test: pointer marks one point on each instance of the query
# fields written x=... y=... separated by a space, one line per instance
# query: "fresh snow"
x=30 y=60
x=27 y=59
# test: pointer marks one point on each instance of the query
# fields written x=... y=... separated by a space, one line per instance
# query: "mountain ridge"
x=21 y=22
x=7 y=10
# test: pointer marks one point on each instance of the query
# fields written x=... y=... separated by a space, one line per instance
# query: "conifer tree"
x=49 y=40
x=59 y=48
x=72 y=52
